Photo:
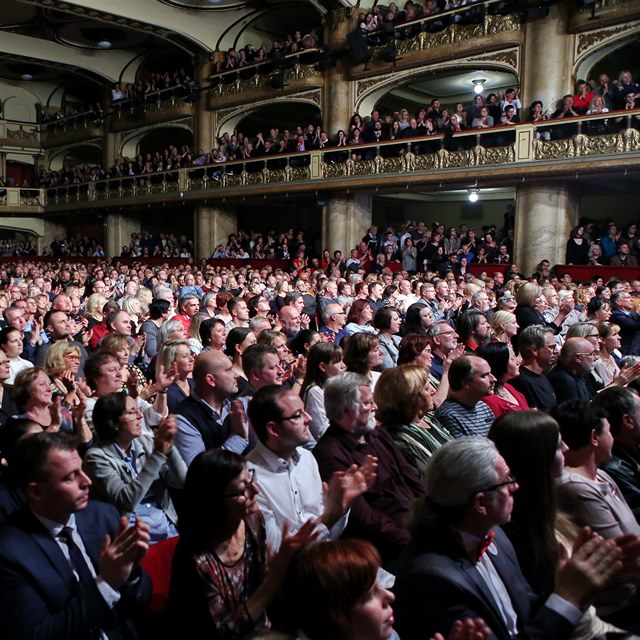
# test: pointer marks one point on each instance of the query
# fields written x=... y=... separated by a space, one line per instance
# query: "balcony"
x=160 y=106
x=76 y=128
x=21 y=135
x=599 y=143
x=27 y=200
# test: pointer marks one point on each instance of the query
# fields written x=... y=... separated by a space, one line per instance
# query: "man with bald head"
x=207 y=419
x=290 y=320
x=569 y=377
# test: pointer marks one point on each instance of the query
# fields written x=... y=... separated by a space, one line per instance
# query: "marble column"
x=52 y=231
x=338 y=92
x=117 y=232
x=545 y=214
x=345 y=220
x=212 y=226
x=203 y=121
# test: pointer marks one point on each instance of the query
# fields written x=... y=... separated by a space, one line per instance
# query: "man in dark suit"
x=628 y=320
x=569 y=377
x=68 y=566
x=456 y=567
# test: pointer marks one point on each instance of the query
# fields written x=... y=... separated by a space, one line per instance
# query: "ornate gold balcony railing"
x=18 y=197
x=520 y=148
x=19 y=134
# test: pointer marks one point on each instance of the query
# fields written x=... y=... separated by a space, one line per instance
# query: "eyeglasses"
x=507 y=483
x=591 y=354
x=249 y=487
x=296 y=417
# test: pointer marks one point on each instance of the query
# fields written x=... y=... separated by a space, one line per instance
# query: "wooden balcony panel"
x=19 y=134
x=62 y=137
x=296 y=79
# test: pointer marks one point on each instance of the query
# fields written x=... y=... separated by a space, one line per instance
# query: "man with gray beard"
x=380 y=514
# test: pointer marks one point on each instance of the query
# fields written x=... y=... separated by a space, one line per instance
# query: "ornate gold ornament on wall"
x=581 y=145
x=297 y=72
x=590 y=40
x=336 y=17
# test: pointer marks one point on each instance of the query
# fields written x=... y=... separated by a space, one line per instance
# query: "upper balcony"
x=153 y=108
x=20 y=135
x=597 y=144
x=75 y=128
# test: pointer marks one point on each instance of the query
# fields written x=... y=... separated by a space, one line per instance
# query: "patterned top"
x=419 y=441
x=460 y=420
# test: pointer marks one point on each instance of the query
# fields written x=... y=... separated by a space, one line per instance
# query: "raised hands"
x=467 y=629
x=238 y=421
x=165 y=433
x=122 y=554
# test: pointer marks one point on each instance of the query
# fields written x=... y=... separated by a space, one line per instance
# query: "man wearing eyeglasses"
x=576 y=362
x=459 y=564
x=287 y=475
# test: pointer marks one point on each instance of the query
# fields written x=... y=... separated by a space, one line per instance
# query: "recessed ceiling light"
x=213 y=1
x=26 y=76
x=478 y=85
x=104 y=44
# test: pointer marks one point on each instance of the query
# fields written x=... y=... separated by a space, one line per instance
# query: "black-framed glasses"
x=295 y=417
x=507 y=483
x=249 y=487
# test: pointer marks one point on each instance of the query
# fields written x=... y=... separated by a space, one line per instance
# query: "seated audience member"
x=404 y=399
x=473 y=329
x=176 y=356
x=332 y=590
x=387 y=322
x=569 y=376
x=239 y=312
x=623 y=413
x=334 y=319
x=261 y=366
x=606 y=367
x=69 y=568
x=239 y=339
x=213 y=334
x=539 y=351
x=463 y=414
x=624 y=258
x=628 y=320
x=287 y=475
x=503 y=326
x=324 y=362
x=379 y=515
x=504 y=367
x=362 y=354
x=159 y=312
x=207 y=419
x=531 y=445
x=586 y=492
x=62 y=364
x=11 y=344
x=134 y=471
x=359 y=317
x=444 y=343
x=7 y=405
x=220 y=587
x=445 y=573
x=104 y=375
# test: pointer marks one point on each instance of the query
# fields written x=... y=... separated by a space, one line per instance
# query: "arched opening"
x=281 y=115
x=76 y=157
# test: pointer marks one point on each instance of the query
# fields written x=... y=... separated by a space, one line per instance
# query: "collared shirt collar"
x=55 y=528
x=274 y=462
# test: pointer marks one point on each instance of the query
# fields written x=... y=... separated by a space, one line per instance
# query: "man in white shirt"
x=291 y=491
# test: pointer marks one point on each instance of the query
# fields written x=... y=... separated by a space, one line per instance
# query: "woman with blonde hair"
x=117 y=344
x=195 y=340
x=132 y=305
x=62 y=363
x=95 y=302
x=503 y=326
x=404 y=399
x=606 y=366
x=177 y=355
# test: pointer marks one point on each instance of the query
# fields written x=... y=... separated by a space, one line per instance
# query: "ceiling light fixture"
x=473 y=195
x=478 y=85
x=104 y=44
x=26 y=76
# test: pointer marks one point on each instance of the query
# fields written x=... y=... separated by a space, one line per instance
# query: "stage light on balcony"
x=478 y=85
x=26 y=76
x=474 y=195
x=104 y=44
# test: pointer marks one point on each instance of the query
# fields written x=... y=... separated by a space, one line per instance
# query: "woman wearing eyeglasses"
x=220 y=586
x=134 y=470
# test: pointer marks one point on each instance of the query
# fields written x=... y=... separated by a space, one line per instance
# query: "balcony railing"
x=20 y=134
x=447 y=27
x=21 y=197
x=605 y=135
x=156 y=102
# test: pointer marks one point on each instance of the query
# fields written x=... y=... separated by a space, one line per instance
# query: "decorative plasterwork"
x=336 y=17
x=239 y=85
x=506 y=59
x=589 y=41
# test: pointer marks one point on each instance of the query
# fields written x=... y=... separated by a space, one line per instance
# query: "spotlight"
x=104 y=44
x=478 y=85
x=473 y=195
x=26 y=76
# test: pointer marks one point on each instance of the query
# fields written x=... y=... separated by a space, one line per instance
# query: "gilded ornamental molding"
x=587 y=42
x=626 y=141
x=239 y=85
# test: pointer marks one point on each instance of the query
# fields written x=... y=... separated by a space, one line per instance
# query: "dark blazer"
x=629 y=324
x=42 y=600
x=566 y=386
x=624 y=470
x=437 y=584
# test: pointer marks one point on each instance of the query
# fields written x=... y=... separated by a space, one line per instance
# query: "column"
x=117 y=232
x=545 y=214
x=212 y=226
x=110 y=148
x=3 y=164
x=337 y=95
x=548 y=60
x=345 y=221
x=52 y=230
x=203 y=129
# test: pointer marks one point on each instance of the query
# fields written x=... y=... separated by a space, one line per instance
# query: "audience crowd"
x=166 y=433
